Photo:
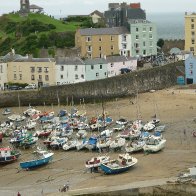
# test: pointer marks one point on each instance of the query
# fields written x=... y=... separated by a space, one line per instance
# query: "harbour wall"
x=125 y=85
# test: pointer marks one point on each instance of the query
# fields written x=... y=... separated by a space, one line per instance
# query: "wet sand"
x=175 y=108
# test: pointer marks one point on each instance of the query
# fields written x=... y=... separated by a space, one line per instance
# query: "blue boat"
x=120 y=165
x=92 y=143
x=41 y=158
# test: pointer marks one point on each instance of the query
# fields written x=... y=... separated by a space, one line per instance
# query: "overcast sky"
x=68 y=7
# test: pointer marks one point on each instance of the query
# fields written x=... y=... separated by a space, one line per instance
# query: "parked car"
x=15 y=87
x=31 y=86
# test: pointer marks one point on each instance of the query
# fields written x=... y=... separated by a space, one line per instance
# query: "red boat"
x=43 y=133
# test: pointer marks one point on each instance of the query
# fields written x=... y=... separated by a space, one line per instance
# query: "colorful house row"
x=190 y=69
x=139 y=39
x=62 y=70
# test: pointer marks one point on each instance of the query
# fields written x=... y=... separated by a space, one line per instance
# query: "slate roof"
x=26 y=59
x=69 y=61
x=95 y=61
x=104 y=31
x=97 y=13
x=33 y=6
x=135 y=21
x=119 y=59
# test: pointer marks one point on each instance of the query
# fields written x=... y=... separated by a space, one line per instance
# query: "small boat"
x=134 y=134
x=81 y=144
x=103 y=143
x=81 y=134
x=31 y=125
x=28 y=142
x=7 y=111
x=135 y=146
x=106 y=133
x=155 y=121
x=122 y=164
x=154 y=144
x=70 y=145
x=121 y=121
x=44 y=133
x=16 y=118
x=91 y=145
x=149 y=127
x=118 y=127
x=58 y=143
x=117 y=143
x=160 y=128
x=124 y=134
x=8 y=155
x=62 y=113
x=96 y=161
x=41 y=158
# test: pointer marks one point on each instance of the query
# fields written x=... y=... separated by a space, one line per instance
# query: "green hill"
x=30 y=34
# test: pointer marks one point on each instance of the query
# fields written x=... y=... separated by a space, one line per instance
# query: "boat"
x=106 y=133
x=31 y=125
x=41 y=158
x=134 y=134
x=154 y=144
x=8 y=155
x=62 y=113
x=124 y=134
x=81 y=144
x=103 y=143
x=96 y=161
x=122 y=164
x=81 y=134
x=91 y=145
x=70 y=145
x=118 y=127
x=44 y=133
x=121 y=121
x=28 y=142
x=7 y=111
x=16 y=118
x=160 y=128
x=117 y=143
x=149 y=127
x=134 y=146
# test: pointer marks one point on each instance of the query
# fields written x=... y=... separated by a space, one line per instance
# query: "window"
x=40 y=77
x=88 y=39
x=123 y=63
x=144 y=52
x=62 y=68
x=112 y=47
x=137 y=51
x=32 y=69
x=100 y=48
x=46 y=69
x=136 y=45
x=144 y=43
x=191 y=72
x=46 y=77
x=192 y=33
x=76 y=68
x=191 y=65
x=92 y=67
x=82 y=76
x=101 y=66
x=192 y=26
x=112 y=64
x=144 y=29
x=100 y=39
x=105 y=73
x=39 y=69
x=192 y=20
x=124 y=46
x=61 y=76
x=89 y=48
x=150 y=29
x=124 y=38
x=112 y=38
x=15 y=77
x=137 y=29
x=97 y=74
x=151 y=43
x=150 y=36
x=20 y=76
x=32 y=77
x=100 y=55
x=137 y=37
x=193 y=41
x=192 y=49
x=76 y=76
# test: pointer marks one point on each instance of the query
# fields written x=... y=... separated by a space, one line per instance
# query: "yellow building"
x=190 y=32
x=99 y=42
x=40 y=71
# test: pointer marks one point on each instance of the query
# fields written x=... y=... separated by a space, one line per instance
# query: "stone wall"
x=169 y=44
x=119 y=86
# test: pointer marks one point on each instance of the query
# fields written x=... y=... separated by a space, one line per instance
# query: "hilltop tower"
x=24 y=7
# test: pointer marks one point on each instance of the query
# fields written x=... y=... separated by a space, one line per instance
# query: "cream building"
x=99 y=42
x=190 y=32
x=40 y=71
x=3 y=75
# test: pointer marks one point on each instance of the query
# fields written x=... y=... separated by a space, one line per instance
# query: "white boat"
x=160 y=128
x=121 y=121
x=81 y=134
x=155 y=121
x=134 y=134
x=7 y=111
x=81 y=144
x=70 y=145
x=117 y=143
x=154 y=144
x=16 y=118
x=106 y=133
x=96 y=161
x=103 y=143
x=31 y=124
x=118 y=127
x=134 y=146
x=149 y=127
x=137 y=125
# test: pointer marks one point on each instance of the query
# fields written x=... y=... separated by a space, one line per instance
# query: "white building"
x=69 y=70
x=96 y=16
x=3 y=75
x=125 y=44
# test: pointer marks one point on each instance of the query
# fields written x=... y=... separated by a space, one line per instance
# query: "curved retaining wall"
x=119 y=86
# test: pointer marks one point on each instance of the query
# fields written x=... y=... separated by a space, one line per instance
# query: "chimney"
x=135 y=5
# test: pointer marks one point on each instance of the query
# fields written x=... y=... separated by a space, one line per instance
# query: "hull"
x=108 y=170
x=4 y=160
x=154 y=148
x=35 y=163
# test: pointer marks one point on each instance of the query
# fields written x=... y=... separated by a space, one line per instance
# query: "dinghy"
x=135 y=146
x=8 y=155
x=7 y=111
x=149 y=127
x=96 y=161
x=117 y=143
x=70 y=145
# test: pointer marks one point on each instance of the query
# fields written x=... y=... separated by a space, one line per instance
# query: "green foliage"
x=17 y=84
x=51 y=52
x=160 y=43
x=6 y=45
x=77 y=19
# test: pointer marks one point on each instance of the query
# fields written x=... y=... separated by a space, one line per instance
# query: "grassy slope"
x=60 y=27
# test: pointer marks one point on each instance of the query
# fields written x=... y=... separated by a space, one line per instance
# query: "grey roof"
x=135 y=21
x=26 y=59
x=95 y=61
x=11 y=57
x=69 y=61
x=35 y=7
x=111 y=59
x=104 y=31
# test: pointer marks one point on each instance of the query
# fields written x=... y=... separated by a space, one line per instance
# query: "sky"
x=72 y=7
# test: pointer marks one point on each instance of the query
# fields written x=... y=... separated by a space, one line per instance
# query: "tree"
x=160 y=43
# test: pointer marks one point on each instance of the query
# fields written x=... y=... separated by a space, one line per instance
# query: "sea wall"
x=119 y=86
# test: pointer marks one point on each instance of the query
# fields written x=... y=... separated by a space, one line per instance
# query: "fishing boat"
x=134 y=146
x=7 y=111
x=31 y=125
x=118 y=127
x=28 y=142
x=154 y=144
x=103 y=143
x=122 y=164
x=149 y=127
x=106 y=133
x=16 y=118
x=70 y=145
x=125 y=134
x=117 y=143
x=121 y=121
x=41 y=157
x=81 y=144
x=8 y=155
x=96 y=161
x=81 y=134
x=43 y=133
x=91 y=145
x=160 y=128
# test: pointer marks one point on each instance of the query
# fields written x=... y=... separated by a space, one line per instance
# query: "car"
x=15 y=87
x=31 y=86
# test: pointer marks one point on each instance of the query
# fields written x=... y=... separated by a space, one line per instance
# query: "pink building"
x=118 y=63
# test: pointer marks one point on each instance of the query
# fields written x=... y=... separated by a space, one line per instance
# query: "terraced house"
x=101 y=42
x=40 y=71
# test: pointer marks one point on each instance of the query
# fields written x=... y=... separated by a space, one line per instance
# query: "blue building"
x=190 y=69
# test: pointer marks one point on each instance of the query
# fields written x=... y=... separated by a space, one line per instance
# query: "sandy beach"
x=175 y=108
